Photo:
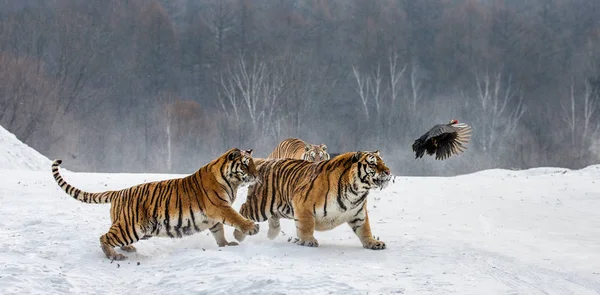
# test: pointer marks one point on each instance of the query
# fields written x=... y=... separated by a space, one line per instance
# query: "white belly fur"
x=335 y=216
x=201 y=221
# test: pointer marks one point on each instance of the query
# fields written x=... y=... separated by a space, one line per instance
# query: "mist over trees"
x=165 y=86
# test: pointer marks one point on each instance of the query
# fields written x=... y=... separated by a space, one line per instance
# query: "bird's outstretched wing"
x=443 y=140
x=440 y=129
x=451 y=140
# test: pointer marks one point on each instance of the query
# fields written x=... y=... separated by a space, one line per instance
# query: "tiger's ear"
x=376 y=152
x=323 y=146
x=249 y=152
x=234 y=154
x=356 y=157
x=306 y=147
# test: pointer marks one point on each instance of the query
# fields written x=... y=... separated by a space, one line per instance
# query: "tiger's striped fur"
x=317 y=195
x=295 y=148
x=175 y=207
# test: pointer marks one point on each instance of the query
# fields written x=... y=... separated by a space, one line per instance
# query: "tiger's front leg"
x=305 y=228
x=227 y=215
x=361 y=227
x=219 y=234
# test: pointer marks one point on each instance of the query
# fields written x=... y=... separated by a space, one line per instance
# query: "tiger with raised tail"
x=174 y=207
x=295 y=148
x=317 y=195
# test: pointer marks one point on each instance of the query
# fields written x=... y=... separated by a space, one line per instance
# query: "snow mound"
x=16 y=155
x=536 y=171
x=534 y=232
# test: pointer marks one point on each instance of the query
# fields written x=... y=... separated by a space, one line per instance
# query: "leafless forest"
x=165 y=86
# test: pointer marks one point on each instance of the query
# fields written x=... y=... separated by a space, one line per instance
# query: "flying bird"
x=443 y=140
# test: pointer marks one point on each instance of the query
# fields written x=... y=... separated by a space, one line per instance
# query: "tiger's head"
x=315 y=153
x=241 y=169
x=371 y=171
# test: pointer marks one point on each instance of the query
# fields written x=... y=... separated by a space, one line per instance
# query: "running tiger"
x=295 y=148
x=175 y=207
x=317 y=195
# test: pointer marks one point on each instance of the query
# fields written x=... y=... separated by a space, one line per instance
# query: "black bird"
x=443 y=140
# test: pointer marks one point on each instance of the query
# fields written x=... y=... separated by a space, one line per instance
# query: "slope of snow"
x=14 y=154
x=493 y=232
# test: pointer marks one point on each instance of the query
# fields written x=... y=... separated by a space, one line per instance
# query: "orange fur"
x=317 y=195
x=295 y=148
x=175 y=207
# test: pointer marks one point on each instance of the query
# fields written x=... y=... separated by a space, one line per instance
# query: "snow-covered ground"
x=491 y=232
x=14 y=154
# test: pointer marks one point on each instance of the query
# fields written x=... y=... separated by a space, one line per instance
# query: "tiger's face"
x=315 y=153
x=242 y=168
x=371 y=170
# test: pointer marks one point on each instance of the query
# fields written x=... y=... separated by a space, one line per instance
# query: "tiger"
x=295 y=148
x=176 y=207
x=317 y=195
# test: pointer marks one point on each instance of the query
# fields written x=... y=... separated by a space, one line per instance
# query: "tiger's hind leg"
x=114 y=238
x=129 y=248
x=219 y=235
x=239 y=235
x=274 y=227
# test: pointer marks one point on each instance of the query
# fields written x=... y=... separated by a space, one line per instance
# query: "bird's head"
x=453 y=121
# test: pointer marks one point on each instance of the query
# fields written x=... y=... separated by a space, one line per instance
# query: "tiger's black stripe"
x=294 y=188
x=172 y=207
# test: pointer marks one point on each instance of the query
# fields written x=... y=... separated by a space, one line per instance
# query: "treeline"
x=164 y=86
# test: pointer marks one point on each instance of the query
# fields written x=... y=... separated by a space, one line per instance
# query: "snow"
x=14 y=154
x=492 y=232
x=496 y=231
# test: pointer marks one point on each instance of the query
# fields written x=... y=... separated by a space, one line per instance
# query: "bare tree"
x=415 y=86
x=395 y=77
x=376 y=89
x=219 y=15
x=303 y=88
x=396 y=80
x=369 y=88
x=252 y=91
x=383 y=93
x=26 y=96
x=580 y=117
x=166 y=101
x=362 y=88
x=500 y=108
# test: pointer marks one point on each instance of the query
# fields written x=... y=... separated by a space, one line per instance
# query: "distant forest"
x=166 y=86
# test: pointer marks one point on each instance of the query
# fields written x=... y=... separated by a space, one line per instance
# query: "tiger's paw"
x=374 y=244
x=310 y=242
x=228 y=244
x=238 y=235
x=252 y=229
x=129 y=248
x=118 y=257
x=273 y=232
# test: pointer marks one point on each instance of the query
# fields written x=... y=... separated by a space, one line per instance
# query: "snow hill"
x=492 y=232
x=15 y=154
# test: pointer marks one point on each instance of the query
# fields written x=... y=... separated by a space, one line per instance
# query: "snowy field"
x=492 y=232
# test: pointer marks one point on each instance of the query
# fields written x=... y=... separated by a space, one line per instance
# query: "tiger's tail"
x=77 y=194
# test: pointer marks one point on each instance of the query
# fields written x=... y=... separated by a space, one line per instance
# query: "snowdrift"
x=14 y=154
